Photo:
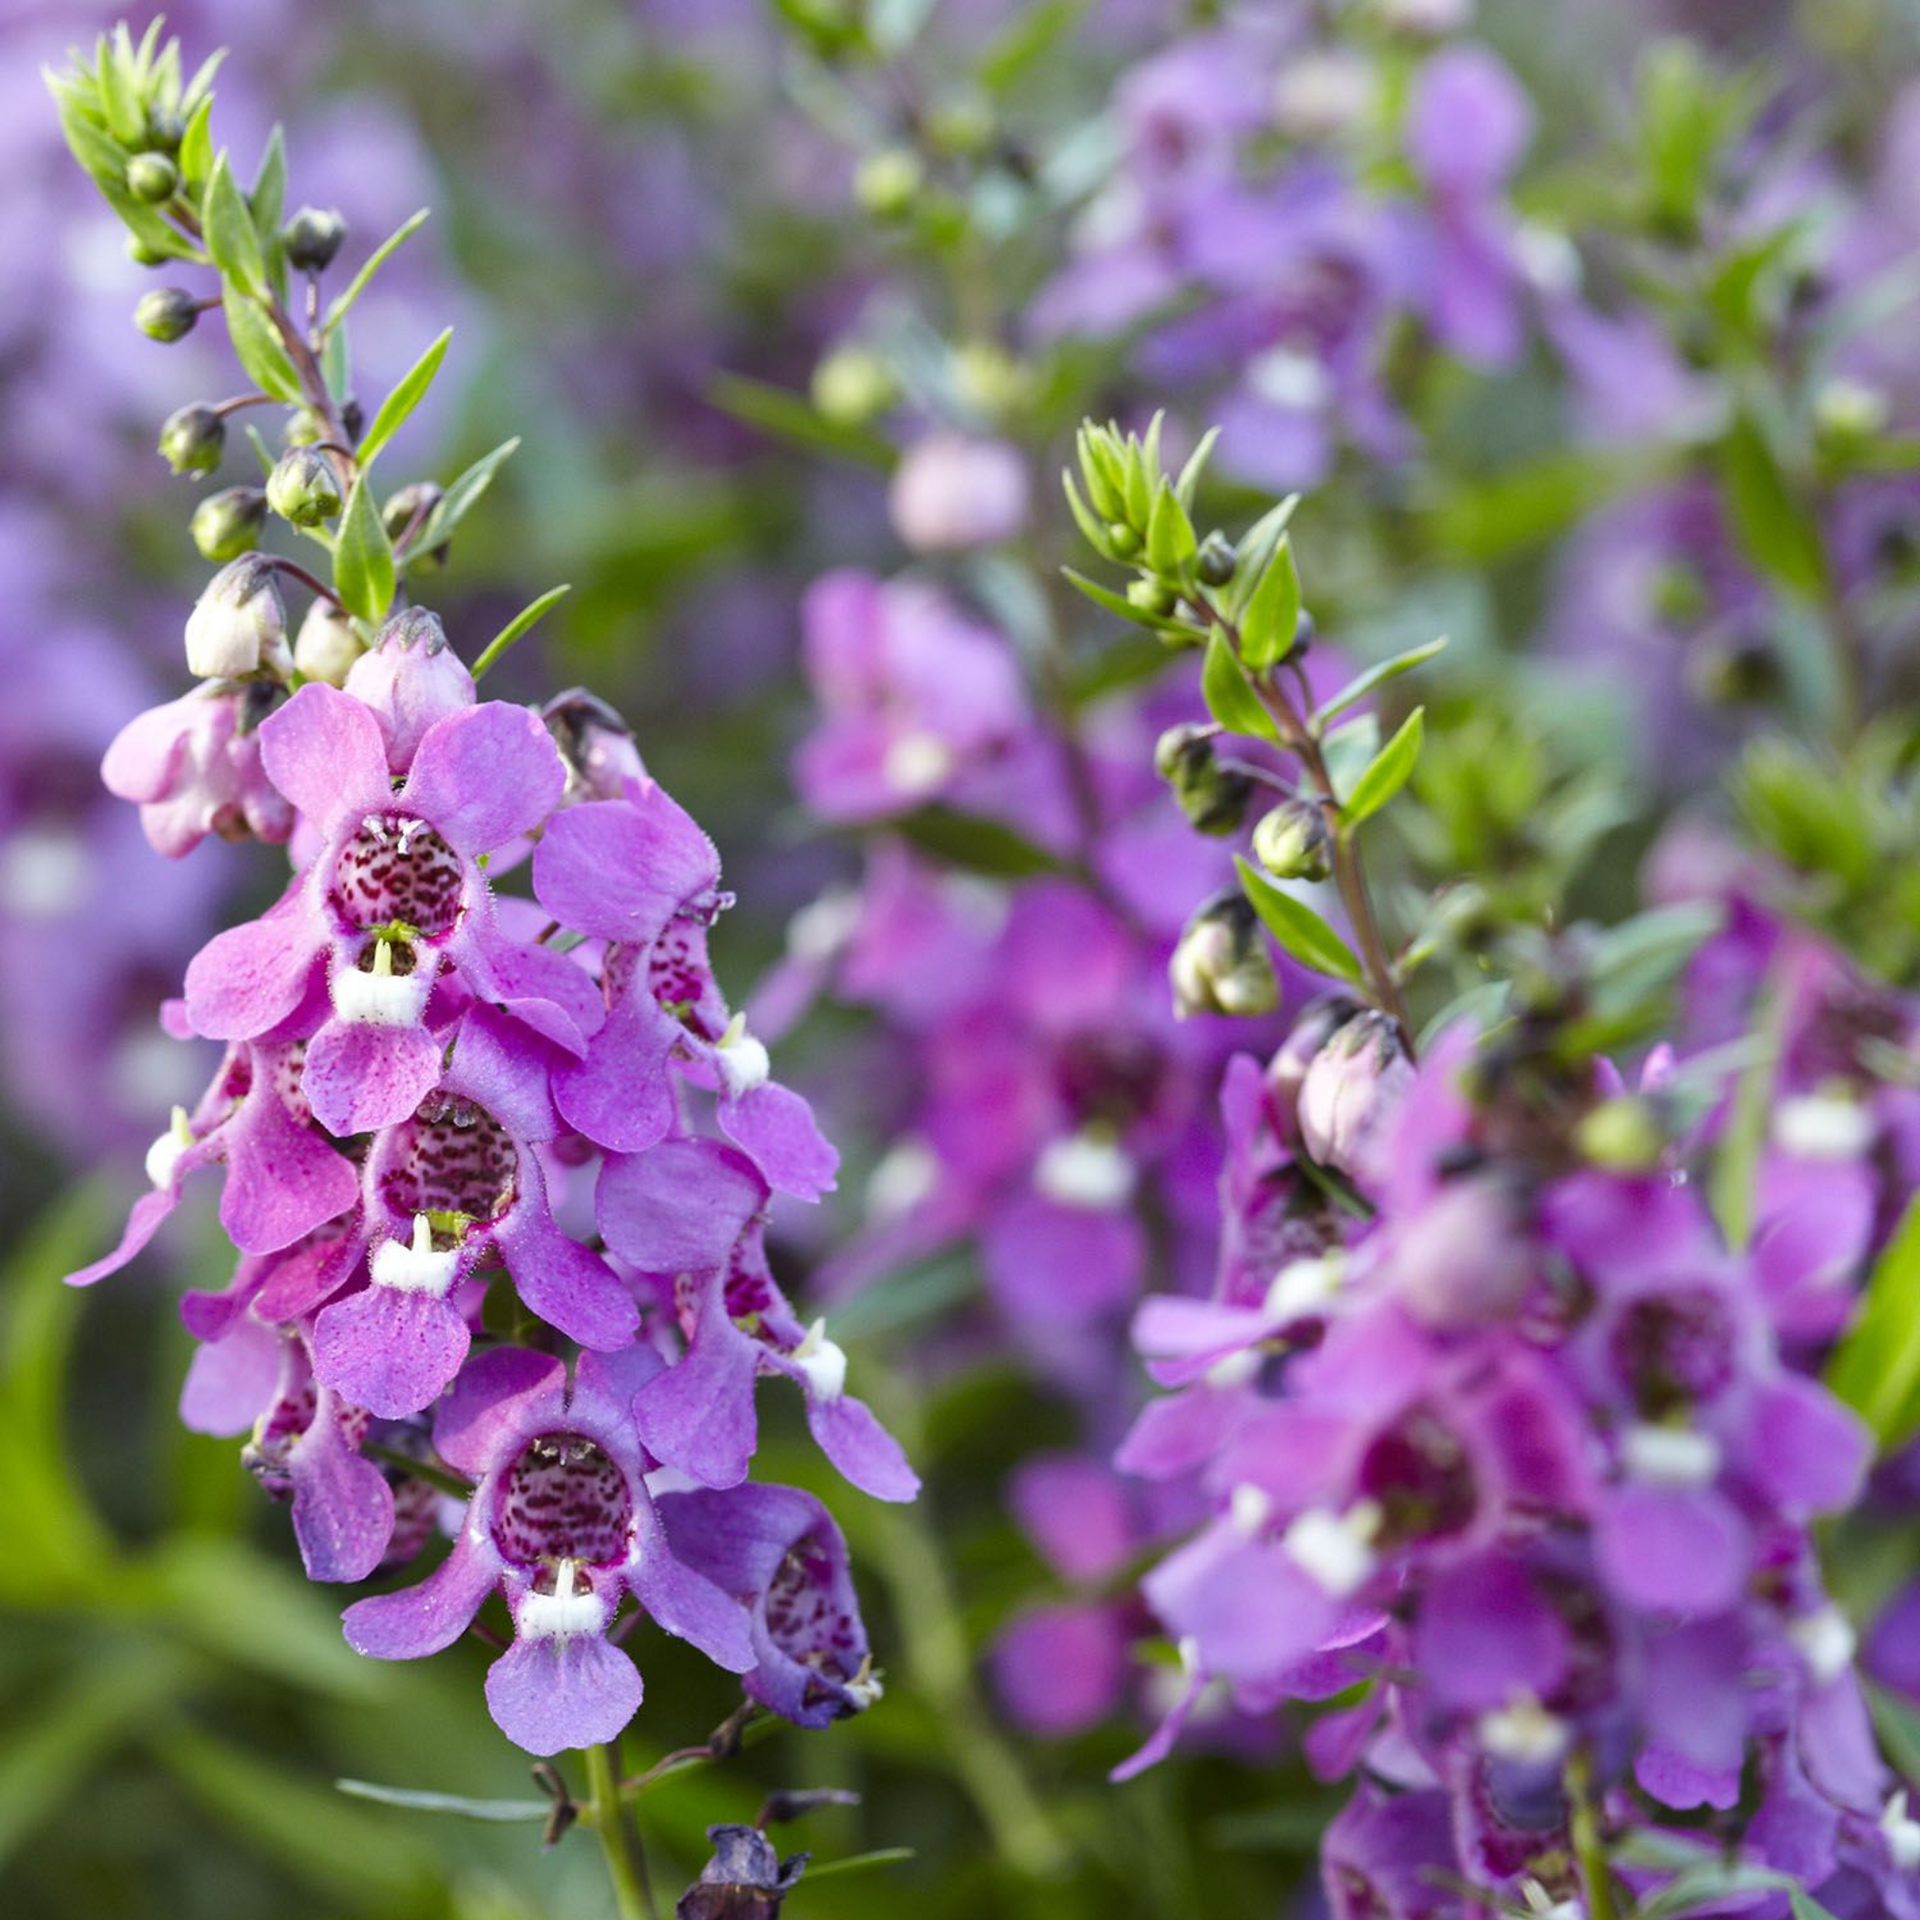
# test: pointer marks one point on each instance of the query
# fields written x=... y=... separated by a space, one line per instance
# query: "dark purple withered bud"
x=745 y=1880
x=595 y=742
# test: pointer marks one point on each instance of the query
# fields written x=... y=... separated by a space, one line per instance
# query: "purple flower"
x=393 y=894
x=778 y=1551
x=952 y=492
x=561 y=1525
x=410 y=678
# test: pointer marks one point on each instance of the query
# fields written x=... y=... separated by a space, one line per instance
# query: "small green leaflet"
x=269 y=186
x=416 y=1801
x=375 y=261
x=1230 y=696
x=229 y=230
x=522 y=622
x=862 y=1862
x=257 y=346
x=1780 y=539
x=1257 y=550
x=1189 y=482
x=363 y=571
x=1297 y=927
x=1877 y=1370
x=794 y=419
x=1363 y=684
x=1170 y=541
x=406 y=395
x=1387 y=773
x=459 y=498
x=1272 y=615
x=196 y=144
x=1123 y=608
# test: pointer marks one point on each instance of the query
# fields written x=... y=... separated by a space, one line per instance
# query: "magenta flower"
x=562 y=1525
x=457 y=1182
x=394 y=893
x=691 y=1216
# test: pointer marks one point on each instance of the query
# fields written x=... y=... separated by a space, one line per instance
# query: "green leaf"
x=501 y=1811
x=229 y=230
x=257 y=346
x=458 y=500
x=269 y=190
x=1806 y=1907
x=375 y=261
x=1089 y=522
x=1257 y=549
x=1298 y=928
x=792 y=418
x=119 y=96
x=1119 y=605
x=861 y=1862
x=200 y=87
x=1349 y=751
x=406 y=395
x=978 y=845
x=1189 y=482
x=522 y=622
x=1170 y=541
x=1030 y=36
x=196 y=145
x=105 y=164
x=336 y=364
x=1387 y=772
x=1781 y=540
x=1272 y=615
x=1877 y=1369
x=1230 y=696
x=1735 y=1173
x=1363 y=684
x=363 y=569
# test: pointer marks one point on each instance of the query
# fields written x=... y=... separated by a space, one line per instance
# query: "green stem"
x=619 y=1837
x=1589 y=1843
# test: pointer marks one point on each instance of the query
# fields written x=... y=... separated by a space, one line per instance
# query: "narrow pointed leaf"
x=1363 y=684
x=1301 y=931
x=458 y=500
x=363 y=569
x=229 y=230
x=1119 y=605
x=1189 y=482
x=416 y=1801
x=1387 y=772
x=522 y=622
x=1257 y=550
x=1170 y=541
x=407 y=395
x=375 y=261
x=1877 y=1370
x=257 y=347
x=1230 y=696
x=1272 y=616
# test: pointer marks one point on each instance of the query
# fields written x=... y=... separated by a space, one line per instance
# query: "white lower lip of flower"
x=1903 y=1834
x=1821 y=1127
x=561 y=1613
x=416 y=1267
x=1525 y=1731
x=1825 y=1640
x=163 y=1157
x=1548 y=258
x=865 y=1690
x=1336 y=1548
x=381 y=999
x=1670 y=1456
x=822 y=1362
x=743 y=1060
x=917 y=763
x=1289 y=378
x=1303 y=1286
x=1250 y=1508
x=902 y=1178
x=1084 y=1171
x=1234 y=1369
x=819 y=931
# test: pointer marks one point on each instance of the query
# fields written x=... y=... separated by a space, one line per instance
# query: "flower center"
x=805 y=1617
x=455 y=1163
x=1420 y=1475
x=563 y=1499
x=396 y=868
x=1674 y=1349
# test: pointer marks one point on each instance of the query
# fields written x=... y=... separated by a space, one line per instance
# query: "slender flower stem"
x=1589 y=1843
x=619 y=1838
x=294 y=570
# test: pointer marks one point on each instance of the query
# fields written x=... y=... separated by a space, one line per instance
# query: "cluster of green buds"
x=143 y=134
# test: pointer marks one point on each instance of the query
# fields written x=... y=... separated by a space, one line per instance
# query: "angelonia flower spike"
x=495 y=1154
x=1512 y=1415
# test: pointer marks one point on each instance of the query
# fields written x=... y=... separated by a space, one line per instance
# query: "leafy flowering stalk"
x=1506 y=1441
x=443 y=1055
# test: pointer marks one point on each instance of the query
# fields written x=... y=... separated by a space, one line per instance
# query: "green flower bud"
x=303 y=487
x=327 y=644
x=1123 y=539
x=406 y=505
x=312 y=237
x=143 y=255
x=152 y=177
x=1151 y=596
x=887 y=183
x=227 y=524
x=1620 y=1135
x=1214 y=798
x=303 y=428
x=852 y=386
x=962 y=125
x=191 y=439
x=1217 y=559
x=990 y=378
x=1222 y=964
x=167 y=313
x=1292 y=842
x=1848 y=413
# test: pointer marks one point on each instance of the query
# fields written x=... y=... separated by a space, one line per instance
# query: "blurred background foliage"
x=629 y=209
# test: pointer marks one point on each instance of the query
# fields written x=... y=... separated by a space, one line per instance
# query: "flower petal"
x=247 y=980
x=679 y=1208
x=359 y=1077
x=324 y=751
x=387 y=1351
x=620 y=1094
x=484 y=776
x=563 y=1282
x=496 y=1400
x=572 y=1691
x=421 y=1620
x=621 y=869
x=776 y=1130
x=342 y=1504
x=282 y=1179
x=863 y=1450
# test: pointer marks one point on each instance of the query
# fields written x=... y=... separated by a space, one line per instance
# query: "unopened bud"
x=1620 y=1135
x=1214 y=798
x=1320 y=1019
x=1292 y=842
x=1151 y=596
x=312 y=237
x=887 y=182
x=1217 y=559
x=406 y=506
x=410 y=677
x=192 y=438
x=1123 y=539
x=1351 y=1090
x=327 y=644
x=595 y=742
x=1222 y=964
x=963 y=124
x=167 y=313
x=852 y=386
x=151 y=177
x=143 y=255
x=991 y=379
x=303 y=428
x=238 y=626
x=303 y=487
x=227 y=524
